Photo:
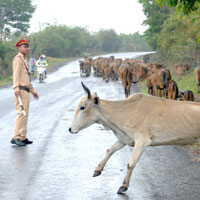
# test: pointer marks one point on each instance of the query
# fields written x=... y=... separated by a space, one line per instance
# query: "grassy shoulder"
x=142 y=86
x=5 y=80
x=52 y=63
x=187 y=82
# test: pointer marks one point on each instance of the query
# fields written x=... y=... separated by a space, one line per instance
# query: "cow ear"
x=96 y=99
x=86 y=90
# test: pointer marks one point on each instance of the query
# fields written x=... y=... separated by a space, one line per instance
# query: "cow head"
x=86 y=113
x=161 y=80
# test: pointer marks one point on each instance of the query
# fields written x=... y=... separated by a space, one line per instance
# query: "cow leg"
x=128 y=91
x=155 y=91
x=125 y=92
x=137 y=152
x=129 y=83
x=115 y=147
x=174 y=95
x=165 y=93
x=158 y=93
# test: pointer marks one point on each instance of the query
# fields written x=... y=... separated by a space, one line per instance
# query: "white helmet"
x=42 y=56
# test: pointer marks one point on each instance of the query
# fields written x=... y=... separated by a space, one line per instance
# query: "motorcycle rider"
x=42 y=62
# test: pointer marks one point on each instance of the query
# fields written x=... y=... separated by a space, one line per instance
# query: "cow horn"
x=86 y=90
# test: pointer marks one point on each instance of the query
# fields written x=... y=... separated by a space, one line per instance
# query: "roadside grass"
x=187 y=82
x=142 y=86
x=52 y=62
x=195 y=147
x=6 y=80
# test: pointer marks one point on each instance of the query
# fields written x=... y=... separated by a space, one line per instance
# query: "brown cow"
x=85 y=69
x=181 y=69
x=152 y=84
x=149 y=84
x=97 y=66
x=126 y=78
x=81 y=65
x=197 y=77
x=114 y=65
x=163 y=77
x=106 y=73
x=139 y=72
x=188 y=95
x=172 y=90
x=154 y=67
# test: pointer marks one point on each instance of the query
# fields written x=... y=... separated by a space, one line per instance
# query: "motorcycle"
x=41 y=73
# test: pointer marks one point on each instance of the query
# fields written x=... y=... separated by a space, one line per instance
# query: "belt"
x=24 y=88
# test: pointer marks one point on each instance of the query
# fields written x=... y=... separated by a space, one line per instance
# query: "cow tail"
x=127 y=81
x=164 y=75
x=126 y=77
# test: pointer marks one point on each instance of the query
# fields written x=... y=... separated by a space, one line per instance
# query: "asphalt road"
x=59 y=165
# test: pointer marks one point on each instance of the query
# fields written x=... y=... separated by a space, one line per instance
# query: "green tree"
x=133 y=42
x=178 y=39
x=108 y=40
x=6 y=54
x=156 y=16
x=15 y=15
x=61 y=41
x=186 y=6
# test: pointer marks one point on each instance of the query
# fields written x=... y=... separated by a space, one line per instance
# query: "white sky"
x=124 y=16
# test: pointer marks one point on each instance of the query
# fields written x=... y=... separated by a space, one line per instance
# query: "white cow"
x=139 y=121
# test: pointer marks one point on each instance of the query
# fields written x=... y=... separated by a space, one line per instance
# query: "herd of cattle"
x=158 y=79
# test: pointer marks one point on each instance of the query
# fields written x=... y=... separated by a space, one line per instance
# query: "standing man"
x=22 y=86
x=32 y=63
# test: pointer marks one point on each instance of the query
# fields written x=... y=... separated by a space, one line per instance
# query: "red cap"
x=22 y=40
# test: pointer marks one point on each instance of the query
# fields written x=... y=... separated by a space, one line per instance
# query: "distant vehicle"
x=41 y=73
x=41 y=68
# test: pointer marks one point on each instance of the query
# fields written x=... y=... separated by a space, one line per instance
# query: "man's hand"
x=17 y=93
x=35 y=95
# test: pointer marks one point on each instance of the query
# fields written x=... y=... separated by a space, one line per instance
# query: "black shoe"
x=17 y=142
x=27 y=141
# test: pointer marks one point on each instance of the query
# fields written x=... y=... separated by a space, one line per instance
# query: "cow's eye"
x=82 y=108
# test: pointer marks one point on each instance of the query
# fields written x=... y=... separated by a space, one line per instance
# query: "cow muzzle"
x=70 y=130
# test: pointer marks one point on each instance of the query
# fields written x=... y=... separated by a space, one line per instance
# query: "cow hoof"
x=122 y=190
x=96 y=173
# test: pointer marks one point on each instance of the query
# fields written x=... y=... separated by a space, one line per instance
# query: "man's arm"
x=16 y=72
x=33 y=92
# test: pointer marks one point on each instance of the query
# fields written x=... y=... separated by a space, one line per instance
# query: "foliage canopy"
x=15 y=15
x=186 y=6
